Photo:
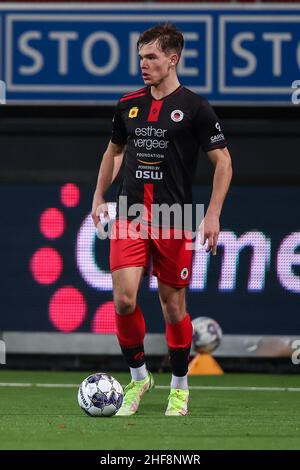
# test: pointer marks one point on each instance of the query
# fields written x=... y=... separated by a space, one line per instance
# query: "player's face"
x=155 y=64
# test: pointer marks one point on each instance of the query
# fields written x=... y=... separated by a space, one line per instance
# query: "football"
x=100 y=395
x=207 y=334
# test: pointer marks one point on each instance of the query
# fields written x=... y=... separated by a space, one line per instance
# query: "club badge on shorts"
x=133 y=112
x=184 y=274
x=177 y=115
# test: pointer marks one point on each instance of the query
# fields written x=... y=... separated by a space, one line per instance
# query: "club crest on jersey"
x=184 y=273
x=177 y=115
x=133 y=112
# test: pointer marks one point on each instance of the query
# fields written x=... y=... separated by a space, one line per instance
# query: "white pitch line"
x=16 y=384
x=164 y=387
x=247 y=389
x=56 y=385
x=21 y=384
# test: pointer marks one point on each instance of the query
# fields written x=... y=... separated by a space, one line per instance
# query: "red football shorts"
x=134 y=245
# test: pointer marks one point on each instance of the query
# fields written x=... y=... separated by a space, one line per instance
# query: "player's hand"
x=209 y=232
x=99 y=213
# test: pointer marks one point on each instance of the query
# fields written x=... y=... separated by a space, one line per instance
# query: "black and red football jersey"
x=162 y=140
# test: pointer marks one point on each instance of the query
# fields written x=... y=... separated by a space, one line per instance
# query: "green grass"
x=49 y=418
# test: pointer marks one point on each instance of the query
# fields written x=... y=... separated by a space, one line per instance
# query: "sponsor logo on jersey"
x=150 y=143
x=217 y=126
x=217 y=138
x=133 y=112
x=149 y=174
x=184 y=274
x=149 y=163
x=177 y=115
x=158 y=158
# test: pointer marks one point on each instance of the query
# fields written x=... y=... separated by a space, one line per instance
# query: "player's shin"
x=130 y=333
x=179 y=339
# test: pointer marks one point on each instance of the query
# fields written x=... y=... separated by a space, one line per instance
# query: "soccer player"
x=158 y=130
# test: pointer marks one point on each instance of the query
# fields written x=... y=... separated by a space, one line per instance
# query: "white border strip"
x=73 y=102
x=155 y=344
x=148 y=6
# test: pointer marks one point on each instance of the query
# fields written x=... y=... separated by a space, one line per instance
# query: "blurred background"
x=63 y=66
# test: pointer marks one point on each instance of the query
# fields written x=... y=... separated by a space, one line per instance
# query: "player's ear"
x=173 y=59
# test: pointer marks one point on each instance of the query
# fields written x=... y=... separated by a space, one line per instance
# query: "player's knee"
x=124 y=304
x=173 y=311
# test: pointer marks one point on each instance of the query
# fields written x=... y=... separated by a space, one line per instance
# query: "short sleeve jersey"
x=162 y=139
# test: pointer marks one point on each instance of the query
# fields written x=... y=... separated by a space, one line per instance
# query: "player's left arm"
x=210 y=228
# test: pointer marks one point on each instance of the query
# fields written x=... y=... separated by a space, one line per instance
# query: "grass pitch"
x=234 y=411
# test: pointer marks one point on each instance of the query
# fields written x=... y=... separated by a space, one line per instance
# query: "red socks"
x=179 y=339
x=179 y=335
x=131 y=328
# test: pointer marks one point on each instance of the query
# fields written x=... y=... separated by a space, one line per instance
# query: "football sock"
x=179 y=339
x=130 y=333
x=138 y=373
x=179 y=382
x=135 y=357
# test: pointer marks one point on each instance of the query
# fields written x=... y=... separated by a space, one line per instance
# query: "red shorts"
x=133 y=245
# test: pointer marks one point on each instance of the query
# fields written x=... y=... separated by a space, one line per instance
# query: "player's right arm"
x=109 y=169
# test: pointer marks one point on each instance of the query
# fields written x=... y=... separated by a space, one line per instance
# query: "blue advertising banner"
x=87 y=53
x=55 y=274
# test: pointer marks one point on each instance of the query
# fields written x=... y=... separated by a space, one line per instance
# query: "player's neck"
x=165 y=88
